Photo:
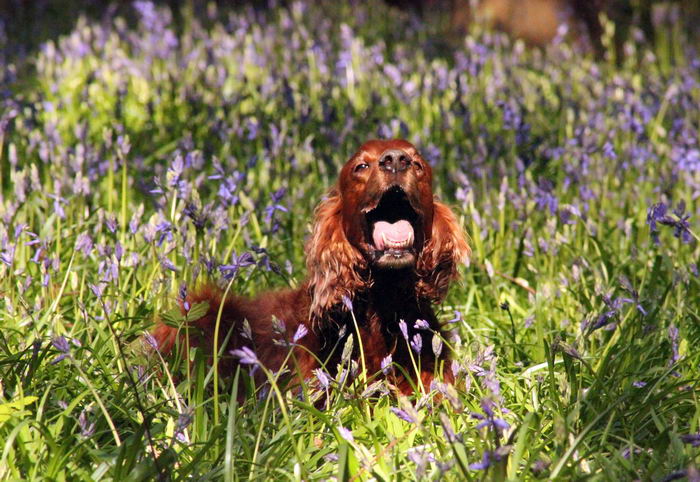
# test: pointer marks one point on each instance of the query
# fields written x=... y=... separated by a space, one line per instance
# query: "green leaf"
x=7 y=410
x=197 y=311
x=173 y=317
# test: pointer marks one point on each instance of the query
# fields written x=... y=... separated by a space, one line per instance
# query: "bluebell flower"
x=456 y=318
x=484 y=464
x=347 y=302
x=421 y=325
x=417 y=343
x=404 y=415
x=165 y=229
x=196 y=214
x=87 y=428
x=7 y=256
x=489 y=419
x=246 y=356
x=322 y=378
x=275 y=206
x=61 y=344
x=150 y=341
x=346 y=434
x=229 y=271
x=674 y=337
x=167 y=264
x=386 y=365
x=658 y=213
x=184 y=420
x=97 y=289
x=404 y=329
x=111 y=223
x=301 y=332
x=693 y=439
x=58 y=203
x=182 y=295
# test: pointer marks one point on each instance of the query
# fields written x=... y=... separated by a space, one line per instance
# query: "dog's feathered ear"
x=332 y=263
x=446 y=249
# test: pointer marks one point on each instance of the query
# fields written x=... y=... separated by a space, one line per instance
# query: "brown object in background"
x=536 y=21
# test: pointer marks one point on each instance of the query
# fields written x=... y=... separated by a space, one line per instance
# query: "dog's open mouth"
x=391 y=227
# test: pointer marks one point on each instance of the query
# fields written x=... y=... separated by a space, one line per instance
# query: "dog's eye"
x=418 y=165
x=361 y=166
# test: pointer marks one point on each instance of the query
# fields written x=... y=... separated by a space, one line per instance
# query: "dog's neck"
x=394 y=295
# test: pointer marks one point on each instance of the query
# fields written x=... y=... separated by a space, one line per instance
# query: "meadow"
x=137 y=160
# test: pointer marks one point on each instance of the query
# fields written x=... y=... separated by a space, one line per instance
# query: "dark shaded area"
x=26 y=24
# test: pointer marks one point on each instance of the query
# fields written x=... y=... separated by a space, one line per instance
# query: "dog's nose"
x=394 y=160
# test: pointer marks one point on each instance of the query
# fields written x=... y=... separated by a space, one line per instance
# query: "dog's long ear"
x=441 y=255
x=333 y=264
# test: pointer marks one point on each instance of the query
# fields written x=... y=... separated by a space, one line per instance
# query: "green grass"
x=250 y=99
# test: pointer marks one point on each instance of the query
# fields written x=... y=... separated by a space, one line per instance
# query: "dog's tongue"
x=392 y=235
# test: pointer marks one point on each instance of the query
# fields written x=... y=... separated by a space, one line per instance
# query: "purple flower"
x=61 y=344
x=421 y=325
x=150 y=341
x=58 y=203
x=489 y=419
x=404 y=329
x=322 y=377
x=417 y=343
x=300 y=333
x=484 y=464
x=346 y=434
x=147 y=12
x=167 y=264
x=8 y=255
x=229 y=271
x=330 y=458
x=197 y=215
x=456 y=368
x=347 y=302
x=387 y=365
x=184 y=420
x=227 y=190
x=673 y=336
x=87 y=428
x=420 y=456
x=544 y=197
x=97 y=290
x=658 y=213
x=275 y=206
x=111 y=223
x=166 y=232
x=457 y=317
x=182 y=295
x=692 y=438
x=404 y=415
x=246 y=356
x=609 y=150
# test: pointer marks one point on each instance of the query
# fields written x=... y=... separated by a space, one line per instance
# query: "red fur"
x=342 y=264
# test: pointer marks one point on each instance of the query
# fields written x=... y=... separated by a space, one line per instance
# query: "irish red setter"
x=382 y=251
